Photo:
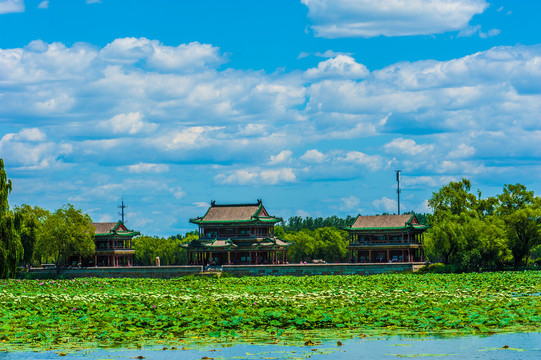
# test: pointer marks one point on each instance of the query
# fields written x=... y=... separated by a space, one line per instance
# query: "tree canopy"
x=471 y=232
x=11 y=249
x=66 y=232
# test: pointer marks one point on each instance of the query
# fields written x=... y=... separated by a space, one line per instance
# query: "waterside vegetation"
x=127 y=312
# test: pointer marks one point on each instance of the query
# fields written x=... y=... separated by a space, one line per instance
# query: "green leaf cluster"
x=110 y=312
x=472 y=233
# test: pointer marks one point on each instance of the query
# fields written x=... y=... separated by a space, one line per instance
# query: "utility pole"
x=122 y=207
x=398 y=188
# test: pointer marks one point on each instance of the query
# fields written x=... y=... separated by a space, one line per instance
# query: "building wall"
x=169 y=272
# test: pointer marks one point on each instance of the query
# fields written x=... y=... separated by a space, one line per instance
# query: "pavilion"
x=236 y=234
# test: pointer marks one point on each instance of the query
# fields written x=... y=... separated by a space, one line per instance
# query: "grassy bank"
x=112 y=312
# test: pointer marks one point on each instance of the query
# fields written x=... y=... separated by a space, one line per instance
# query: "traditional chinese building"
x=237 y=234
x=386 y=238
x=113 y=245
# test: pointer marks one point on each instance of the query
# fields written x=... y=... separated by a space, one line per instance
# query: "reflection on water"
x=499 y=346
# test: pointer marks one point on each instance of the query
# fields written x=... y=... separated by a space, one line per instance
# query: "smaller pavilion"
x=113 y=245
x=236 y=234
x=386 y=238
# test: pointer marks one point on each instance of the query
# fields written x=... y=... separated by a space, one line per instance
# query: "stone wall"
x=318 y=269
x=162 y=272
x=169 y=272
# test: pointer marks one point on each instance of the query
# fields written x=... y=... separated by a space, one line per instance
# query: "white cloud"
x=407 y=147
x=350 y=203
x=147 y=168
x=283 y=156
x=372 y=162
x=30 y=150
x=476 y=30
x=367 y=18
x=130 y=123
x=256 y=176
x=462 y=151
x=44 y=4
x=106 y=218
x=313 y=156
x=11 y=6
x=33 y=134
x=192 y=137
x=386 y=205
x=272 y=177
x=177 y=192
x=201 y=204
x=184 y=57
x=342 y=66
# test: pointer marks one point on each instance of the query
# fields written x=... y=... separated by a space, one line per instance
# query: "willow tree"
x=11 y=249
x=65 y=233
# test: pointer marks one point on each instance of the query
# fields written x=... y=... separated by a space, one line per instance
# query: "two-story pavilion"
x=113 y=245
x=237 y=234
x=386 y=238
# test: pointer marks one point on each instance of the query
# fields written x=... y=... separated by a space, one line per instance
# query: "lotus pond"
x=107 y=313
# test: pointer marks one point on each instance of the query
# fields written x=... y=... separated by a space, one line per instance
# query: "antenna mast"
x=122 y=207
x=398 y=188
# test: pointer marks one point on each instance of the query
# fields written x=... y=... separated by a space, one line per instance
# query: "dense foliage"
x=298 y=223
x=470 y=233
x=328 y=244
x=112 y=311
x=147 y=248
x=11 y=249
x=66 y=232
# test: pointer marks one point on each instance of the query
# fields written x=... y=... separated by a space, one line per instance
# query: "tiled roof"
x=236 y=213
x=231 y=212
x=104 y=227
x=382 y=221
x=117 y=228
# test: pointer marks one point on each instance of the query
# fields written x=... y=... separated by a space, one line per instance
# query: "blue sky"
x=310 y=105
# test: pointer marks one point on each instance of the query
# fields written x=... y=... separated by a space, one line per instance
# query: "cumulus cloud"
x=256 y=176
x=11 y=6
x=386 y=205
x=283 y=156
x=177 y=192
x=147 y=168
x=313 y=156
x=44 y=4
x=342 y=66
x=191 y=137
x=407 y=147
x=119 y=108
x=367 y=18
x=130 y=123
x=350 y=203
x=184 y=57
x=30 y=150
x=372 y=162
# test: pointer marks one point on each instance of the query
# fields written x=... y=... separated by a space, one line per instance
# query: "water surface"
x=498 y=346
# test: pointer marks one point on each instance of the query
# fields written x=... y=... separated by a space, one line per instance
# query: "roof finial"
x=212 y=202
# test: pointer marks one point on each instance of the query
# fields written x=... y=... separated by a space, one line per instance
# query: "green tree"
x=147 y=248
x=11 y=249
x=454 y=198
x=331 y=244
x=32 y=219
x=521 y=212
x=304 y=246
x=64 y=233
